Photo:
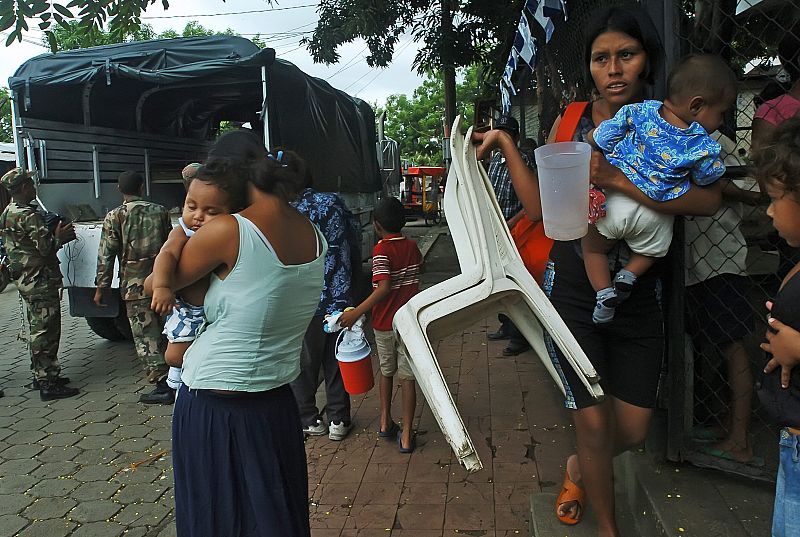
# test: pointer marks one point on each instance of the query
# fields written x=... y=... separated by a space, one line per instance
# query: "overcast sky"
x=351 y=74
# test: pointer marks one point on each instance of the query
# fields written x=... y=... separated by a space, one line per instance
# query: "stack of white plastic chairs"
x=493 y=280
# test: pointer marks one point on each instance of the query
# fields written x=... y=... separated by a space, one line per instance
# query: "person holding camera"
x=31 y=247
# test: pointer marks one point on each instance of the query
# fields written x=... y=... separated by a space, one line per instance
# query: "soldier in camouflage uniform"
x=134 y=232
x=31 y=248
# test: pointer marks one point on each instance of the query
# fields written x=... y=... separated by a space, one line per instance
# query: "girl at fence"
x=622 y=54
x=778 y=170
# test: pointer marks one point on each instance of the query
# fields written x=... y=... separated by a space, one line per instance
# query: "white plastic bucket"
x=563 y=170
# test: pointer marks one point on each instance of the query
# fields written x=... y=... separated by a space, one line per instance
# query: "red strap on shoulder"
x=569 y=121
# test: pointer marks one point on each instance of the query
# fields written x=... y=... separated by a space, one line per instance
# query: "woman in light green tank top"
x=238 y=452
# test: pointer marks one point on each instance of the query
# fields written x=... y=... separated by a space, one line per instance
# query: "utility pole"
x=448 y=70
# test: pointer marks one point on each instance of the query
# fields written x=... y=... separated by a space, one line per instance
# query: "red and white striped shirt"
x=398 y=259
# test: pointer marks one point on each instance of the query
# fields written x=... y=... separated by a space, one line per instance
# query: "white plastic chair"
x=493 y=280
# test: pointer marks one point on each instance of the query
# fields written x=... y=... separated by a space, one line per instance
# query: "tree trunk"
x=448 y=71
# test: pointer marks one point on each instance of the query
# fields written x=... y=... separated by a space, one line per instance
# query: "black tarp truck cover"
x=183 y=87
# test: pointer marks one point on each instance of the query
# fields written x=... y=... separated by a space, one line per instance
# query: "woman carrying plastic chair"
x=622 y=56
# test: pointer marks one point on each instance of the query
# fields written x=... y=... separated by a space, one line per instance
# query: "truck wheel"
x=111 y=328
x=105 y=327
x=123 y=324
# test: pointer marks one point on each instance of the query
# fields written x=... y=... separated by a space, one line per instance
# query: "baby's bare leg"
x=173 y=356
x=639 y=264
x=595 y=247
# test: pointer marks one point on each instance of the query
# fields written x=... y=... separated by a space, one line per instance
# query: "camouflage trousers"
x=146 y=327
x=44 y=325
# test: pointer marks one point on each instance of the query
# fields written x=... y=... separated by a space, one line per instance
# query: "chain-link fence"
x=721 y=269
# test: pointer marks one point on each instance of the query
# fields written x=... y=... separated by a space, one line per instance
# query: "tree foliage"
x=121 y=17
x=73 y=36
x=5 y=117
x=416 y=121
x=480 y=34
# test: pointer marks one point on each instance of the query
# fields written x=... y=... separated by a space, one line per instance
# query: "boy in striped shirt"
x=396 y=264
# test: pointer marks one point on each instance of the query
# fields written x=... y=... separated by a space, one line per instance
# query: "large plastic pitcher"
x=563 y=170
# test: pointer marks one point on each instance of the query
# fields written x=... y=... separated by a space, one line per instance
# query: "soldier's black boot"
x=61 y=381
x=162 y=394
x=49 y=390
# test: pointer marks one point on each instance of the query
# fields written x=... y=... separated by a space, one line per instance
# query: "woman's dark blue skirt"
x=240 y=465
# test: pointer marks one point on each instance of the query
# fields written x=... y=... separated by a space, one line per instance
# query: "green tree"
x=480 y=33
x=121 y=17
x=73 y=36
x=5 y=117
x=416 y=121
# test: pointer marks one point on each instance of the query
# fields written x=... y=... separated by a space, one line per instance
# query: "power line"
x=399 y=53
x=350 y=63
x=228 y=12
x=25 y=39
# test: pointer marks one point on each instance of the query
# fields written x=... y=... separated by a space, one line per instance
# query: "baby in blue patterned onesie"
x=660 y=147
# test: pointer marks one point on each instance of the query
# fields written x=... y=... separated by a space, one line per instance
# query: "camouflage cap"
x=190 y=171
x=15 y=177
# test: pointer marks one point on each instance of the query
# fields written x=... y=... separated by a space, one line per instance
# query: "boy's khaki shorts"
x=392 y=356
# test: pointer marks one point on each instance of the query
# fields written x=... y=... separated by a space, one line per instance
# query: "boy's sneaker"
x=605 y=306
x=318 y=428
x=623 y=284
x=338 y=430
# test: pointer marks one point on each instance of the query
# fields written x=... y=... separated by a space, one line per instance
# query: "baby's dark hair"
x=778 y=161
x=130 y=183
x=704 y=75
x=390 y=214
x=243 y=152
x=225 y=176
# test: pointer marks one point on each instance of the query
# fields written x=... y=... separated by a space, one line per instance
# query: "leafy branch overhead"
x=480 y=32
x=121 y=17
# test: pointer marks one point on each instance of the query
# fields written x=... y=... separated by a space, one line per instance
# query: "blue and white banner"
x=524 y=43
x=508 y=72
x=525 y=47
x=505 y=98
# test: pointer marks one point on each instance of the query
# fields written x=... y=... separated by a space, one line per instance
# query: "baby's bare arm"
x=195 y=294
x=168 y=257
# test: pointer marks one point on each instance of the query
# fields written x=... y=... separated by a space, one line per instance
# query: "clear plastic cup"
x=563 y=170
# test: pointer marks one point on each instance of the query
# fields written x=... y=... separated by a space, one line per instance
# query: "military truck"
x=81 y=117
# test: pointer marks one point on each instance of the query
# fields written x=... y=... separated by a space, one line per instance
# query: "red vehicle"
x=422 y=189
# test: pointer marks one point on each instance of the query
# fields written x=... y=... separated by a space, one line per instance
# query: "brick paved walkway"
x=364 y=487
x=66 y=466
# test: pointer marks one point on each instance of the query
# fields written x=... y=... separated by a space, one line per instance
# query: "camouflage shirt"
x=134 y=232
x=31 y=249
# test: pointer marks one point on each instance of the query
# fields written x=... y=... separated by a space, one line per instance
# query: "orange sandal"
x=570 y=492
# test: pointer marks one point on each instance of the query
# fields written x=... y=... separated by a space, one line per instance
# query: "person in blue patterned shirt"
x=342 y=230
x=660 y=147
